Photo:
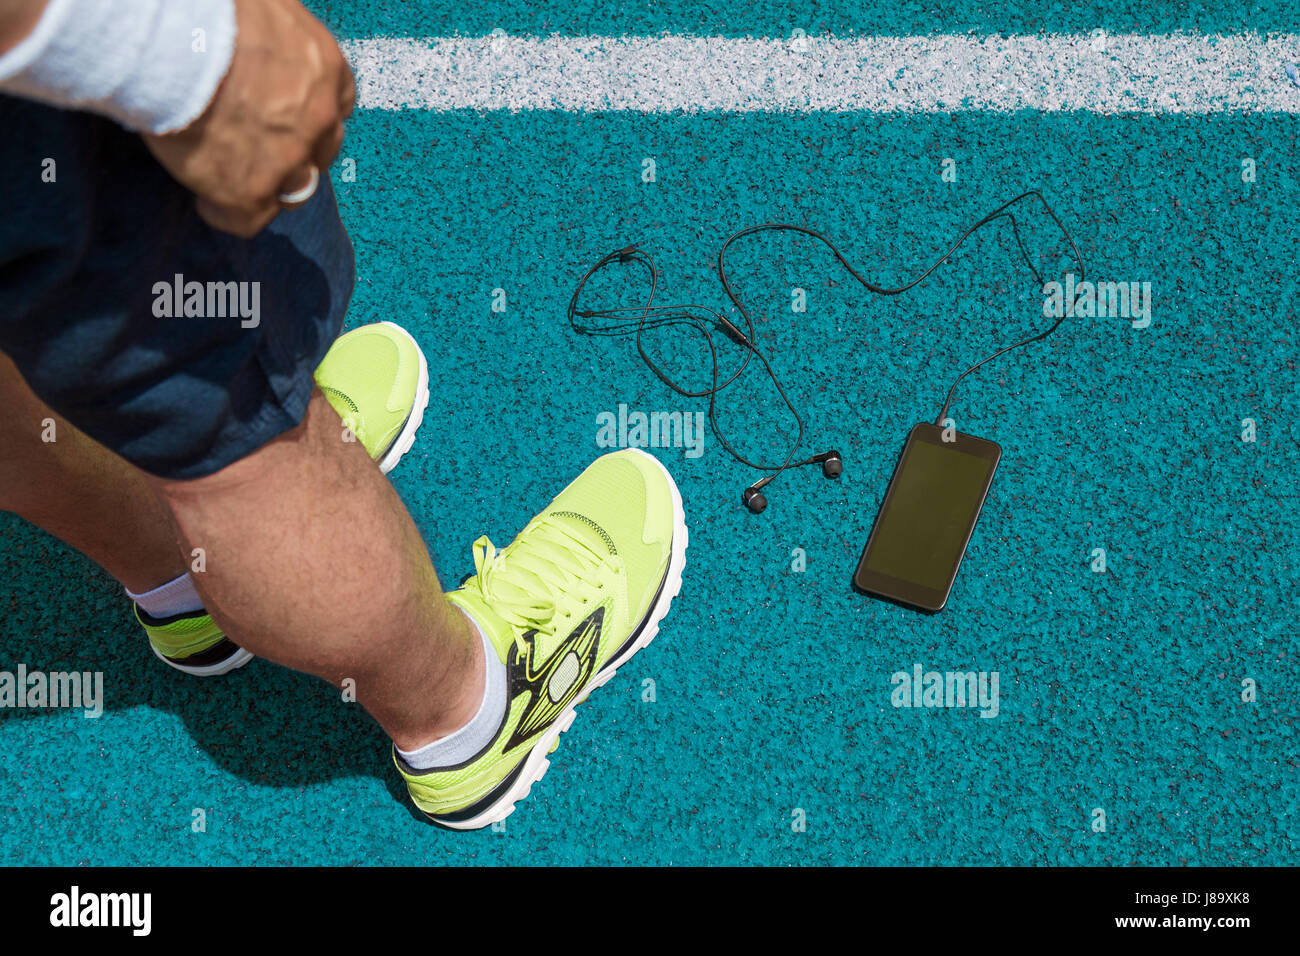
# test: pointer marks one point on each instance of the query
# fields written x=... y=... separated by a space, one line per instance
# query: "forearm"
x=245 y=121
x=152 y=65
x=17 y=18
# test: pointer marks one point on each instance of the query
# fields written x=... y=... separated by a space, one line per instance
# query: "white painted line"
x=1096 y=73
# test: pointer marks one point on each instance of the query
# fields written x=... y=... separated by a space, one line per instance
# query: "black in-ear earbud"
x=832 y=464
x=754 y=500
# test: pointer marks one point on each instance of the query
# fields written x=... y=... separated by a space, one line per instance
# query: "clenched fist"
x=278 y=112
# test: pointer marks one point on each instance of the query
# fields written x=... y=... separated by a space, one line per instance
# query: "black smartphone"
x=928 y=516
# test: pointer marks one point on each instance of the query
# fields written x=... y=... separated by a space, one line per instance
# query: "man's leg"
x=311 y=559
x=80 y=492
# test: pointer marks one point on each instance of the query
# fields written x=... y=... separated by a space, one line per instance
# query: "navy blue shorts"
x=179 y=347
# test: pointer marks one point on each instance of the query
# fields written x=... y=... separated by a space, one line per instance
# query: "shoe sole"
x=537 y=762
x=236 y=660
x=406 y=438
x=400 y=446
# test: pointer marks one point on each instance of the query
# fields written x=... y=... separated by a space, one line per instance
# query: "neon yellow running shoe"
x=377 y=379
x=192 y=643
x=578 y=592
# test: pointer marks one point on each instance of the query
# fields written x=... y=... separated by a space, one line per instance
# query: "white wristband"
x=152 y=65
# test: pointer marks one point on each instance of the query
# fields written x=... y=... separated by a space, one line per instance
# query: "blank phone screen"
x=936 y=496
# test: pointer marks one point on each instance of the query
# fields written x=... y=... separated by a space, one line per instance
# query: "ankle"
x=463 y=684
x=175 y=596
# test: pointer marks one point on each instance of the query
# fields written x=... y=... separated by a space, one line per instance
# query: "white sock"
x=166 y=600
x=478 y=733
